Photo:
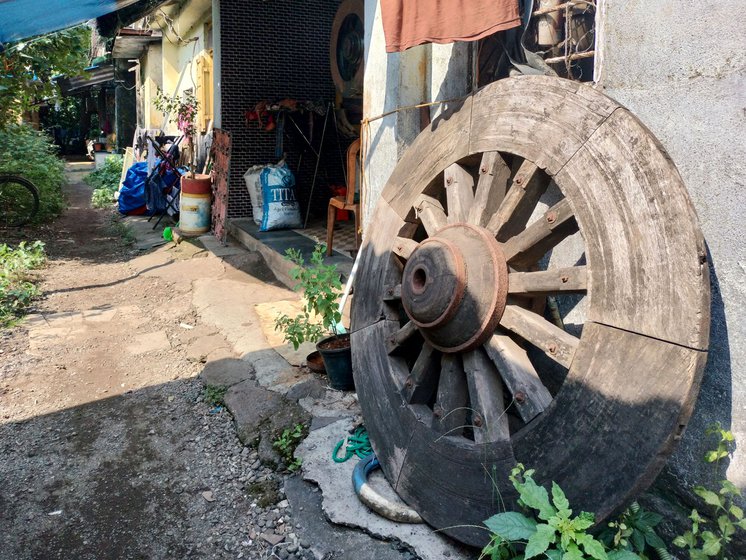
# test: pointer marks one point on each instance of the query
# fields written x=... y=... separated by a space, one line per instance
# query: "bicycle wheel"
x=19 y=201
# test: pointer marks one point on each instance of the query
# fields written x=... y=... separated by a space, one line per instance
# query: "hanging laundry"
x=407 y=23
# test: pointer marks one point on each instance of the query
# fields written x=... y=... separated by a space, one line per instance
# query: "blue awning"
x=20 y=19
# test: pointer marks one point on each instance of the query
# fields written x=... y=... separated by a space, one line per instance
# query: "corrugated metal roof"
x=94 y=76
x=130 y=43
x=20 y=19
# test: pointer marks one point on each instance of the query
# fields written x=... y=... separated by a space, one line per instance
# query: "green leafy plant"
x=214 y=395
x=184 y=108
x=548 y=530
x=634 y=530
x=31 y=154
x=707 y=539
x=725 y=445
x=105 y=181
x=286 y=443
x=321 y=289
x=17 y=288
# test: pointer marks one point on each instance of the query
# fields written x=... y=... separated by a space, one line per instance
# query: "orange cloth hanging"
x=407 y=23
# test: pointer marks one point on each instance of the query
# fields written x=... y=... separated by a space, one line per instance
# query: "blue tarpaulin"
x=132 y=191
x=20 y=19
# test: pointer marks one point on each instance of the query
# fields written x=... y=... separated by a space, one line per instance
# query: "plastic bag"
x=280 y=209
x=253 y=185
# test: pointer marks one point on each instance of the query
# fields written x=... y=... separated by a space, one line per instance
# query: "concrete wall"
x=151 y=78
x=680 y=65
x=421 y=74
x=180 y=58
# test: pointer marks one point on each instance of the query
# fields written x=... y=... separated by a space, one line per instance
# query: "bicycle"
x=19 y=201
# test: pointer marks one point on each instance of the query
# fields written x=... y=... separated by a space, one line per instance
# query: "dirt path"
x=108 y=450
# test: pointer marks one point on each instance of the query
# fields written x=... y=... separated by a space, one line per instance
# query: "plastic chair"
x=346 y=202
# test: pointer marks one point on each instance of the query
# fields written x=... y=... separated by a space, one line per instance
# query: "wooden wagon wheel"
x=460 y=369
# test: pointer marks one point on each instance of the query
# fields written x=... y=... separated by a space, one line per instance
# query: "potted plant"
x=320 y=316
x=196 y=189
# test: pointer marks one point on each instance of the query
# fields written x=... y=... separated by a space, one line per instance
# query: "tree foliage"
x=27 y=68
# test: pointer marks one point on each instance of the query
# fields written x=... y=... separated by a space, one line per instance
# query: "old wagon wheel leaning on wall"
x=533 y=187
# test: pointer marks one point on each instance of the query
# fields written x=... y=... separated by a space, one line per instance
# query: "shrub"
x=31 y=154
x=17 y=289
x=105 y=181
x=321 y=289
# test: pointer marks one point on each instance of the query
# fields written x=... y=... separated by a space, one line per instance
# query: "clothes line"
x=365 y=142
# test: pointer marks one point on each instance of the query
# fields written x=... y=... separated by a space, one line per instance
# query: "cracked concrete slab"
x=149 y=342
x=229 y=305
x=268 y=313
x=219 y=249
x=200 y=348
x=250 y=406
x=259 y=413
x=333 y=541
x=332 y=403
x=226 y=372
x=341 y=505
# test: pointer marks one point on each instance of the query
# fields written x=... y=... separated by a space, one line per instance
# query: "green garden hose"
x=357 y=444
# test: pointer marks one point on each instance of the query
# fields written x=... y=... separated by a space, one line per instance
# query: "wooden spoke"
x=392 y=293
x=494 y=175
x=553 y=341
x=422 y=381
x=486 y=394
x=404 y=247
x=459 y=193
x=401 y=336
x=516 y=208
x=519 y=375
x=452 y=398
x=571 y=280
x=431 y=212
x=532 y=243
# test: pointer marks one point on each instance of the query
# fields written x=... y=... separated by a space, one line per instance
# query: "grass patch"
x=214 y=395
x=118 y=228
x=105 y=182
x=17 y=285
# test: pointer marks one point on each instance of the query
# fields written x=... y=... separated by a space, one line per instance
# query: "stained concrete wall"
x=396 y=80
x=680 y=65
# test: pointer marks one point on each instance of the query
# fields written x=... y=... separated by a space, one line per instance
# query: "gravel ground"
x=107 y=448
x=155 y=473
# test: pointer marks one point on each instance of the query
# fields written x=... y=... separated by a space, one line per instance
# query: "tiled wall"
x=274 y=50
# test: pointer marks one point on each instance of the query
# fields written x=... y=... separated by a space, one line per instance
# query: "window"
x=559 y=39
x=204 y=91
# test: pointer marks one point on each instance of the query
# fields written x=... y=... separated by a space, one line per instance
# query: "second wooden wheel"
x=534 y=290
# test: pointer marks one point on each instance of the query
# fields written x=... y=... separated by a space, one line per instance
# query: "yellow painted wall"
x=185 y=56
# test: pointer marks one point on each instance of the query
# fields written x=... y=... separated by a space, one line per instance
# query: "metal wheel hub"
x=454 y=287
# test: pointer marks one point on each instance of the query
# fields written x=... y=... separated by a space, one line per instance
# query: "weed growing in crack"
x=214 y=395
x=286 y=443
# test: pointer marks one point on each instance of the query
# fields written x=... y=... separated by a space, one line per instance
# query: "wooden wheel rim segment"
x=634 y=373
